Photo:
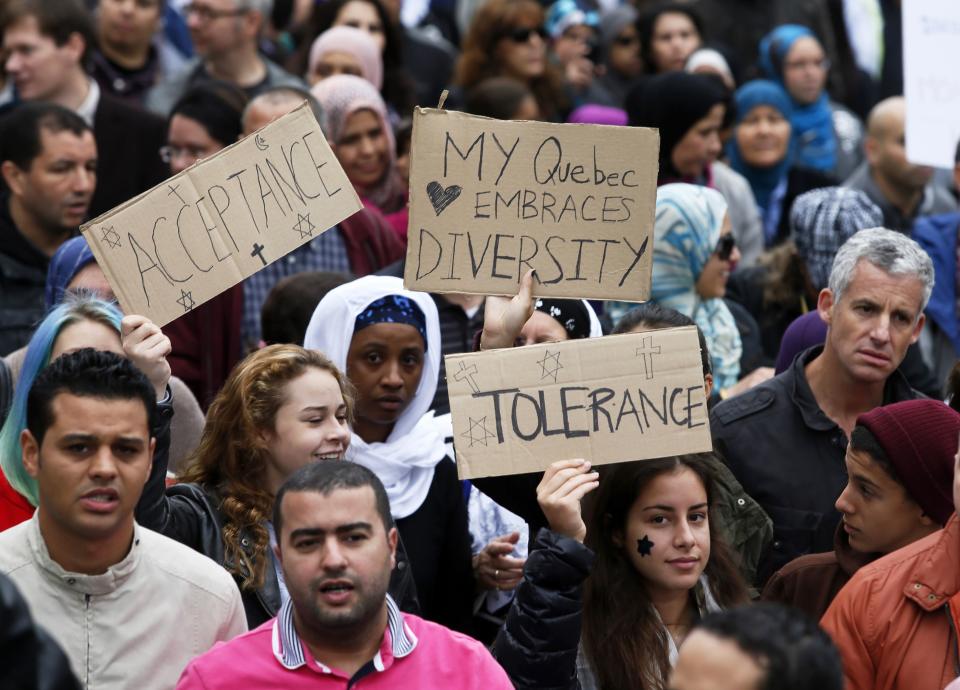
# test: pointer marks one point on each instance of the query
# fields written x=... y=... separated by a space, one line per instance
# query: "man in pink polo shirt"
x=340 y=629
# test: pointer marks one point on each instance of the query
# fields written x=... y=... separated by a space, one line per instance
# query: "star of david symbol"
x=550 y=365
x=646 y=352
x=299 y=226
x=111 y=237
x=478 y=432
x=186 y=300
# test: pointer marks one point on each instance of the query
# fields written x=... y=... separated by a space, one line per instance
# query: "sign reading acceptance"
x=491 y=199
x=185 y=241
x=611 y=399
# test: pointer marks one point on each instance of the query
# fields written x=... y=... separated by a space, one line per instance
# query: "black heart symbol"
x=440 y=197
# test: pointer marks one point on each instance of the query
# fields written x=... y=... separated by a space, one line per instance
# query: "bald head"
x=887 y=117
x=275 y=103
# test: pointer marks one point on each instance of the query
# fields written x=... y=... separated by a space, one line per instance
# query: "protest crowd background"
x=265 y=491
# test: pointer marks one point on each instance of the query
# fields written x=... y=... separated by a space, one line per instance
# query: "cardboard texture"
x=931 y=81
x=490 y=200
x=185 y=241
x=611 y=399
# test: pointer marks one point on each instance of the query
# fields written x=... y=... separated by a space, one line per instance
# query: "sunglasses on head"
x=725 y=246
x=522 y=35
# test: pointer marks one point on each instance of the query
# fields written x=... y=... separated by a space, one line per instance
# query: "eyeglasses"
x=725 y=246
x=208 y=14
x=797 y=65
x=523 y=34
x=168 y=153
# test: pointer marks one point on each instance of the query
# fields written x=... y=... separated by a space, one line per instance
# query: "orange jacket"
x=895 y=622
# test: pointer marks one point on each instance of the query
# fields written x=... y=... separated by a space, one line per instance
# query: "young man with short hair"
x=129 y=607
x=336 y=544
x=900 y=477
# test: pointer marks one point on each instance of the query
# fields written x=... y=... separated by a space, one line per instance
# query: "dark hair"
x=647 y=23
x=623 y=637
x=397 y=89
x=864 y=441
x=56 y=19
x=794 y=652
x=290 y=304
x=87 y=373
x=498 y=97
x=217 y=106
x=653 y=316
x=956 y=154
x=403 y=135
x=325 y=477
x=20 y=139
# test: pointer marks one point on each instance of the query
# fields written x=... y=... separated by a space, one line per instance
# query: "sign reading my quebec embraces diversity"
x=611 y=399
x=185 y=241
x=491 y=199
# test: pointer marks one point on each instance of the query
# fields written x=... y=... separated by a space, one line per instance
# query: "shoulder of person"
x=439 y=639
x=189 y=566
x=15 y=550
x=748 y=404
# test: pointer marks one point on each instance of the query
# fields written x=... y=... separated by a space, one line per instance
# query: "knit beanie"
x=920 y=439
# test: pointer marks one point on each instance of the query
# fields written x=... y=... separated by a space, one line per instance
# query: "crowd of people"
x=264 y=492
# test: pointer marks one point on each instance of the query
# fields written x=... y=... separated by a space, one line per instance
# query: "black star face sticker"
x=644 y=546
x=186 y=301
x=304 y=226
x=477 y=433
x=550 y=365
x=110 y=237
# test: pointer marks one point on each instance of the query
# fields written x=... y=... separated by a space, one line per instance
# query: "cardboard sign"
x=187 y=240
x=490 y=200
x=610 y=399
x=931 y=47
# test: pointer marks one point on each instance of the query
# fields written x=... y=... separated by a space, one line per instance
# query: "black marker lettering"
x=506 y=156
x=464 y=156
x=636 y=257
x=420 y=254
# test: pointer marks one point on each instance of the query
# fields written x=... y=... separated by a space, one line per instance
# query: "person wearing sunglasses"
x=619 y=53
x=507 y=39
x=694 y=253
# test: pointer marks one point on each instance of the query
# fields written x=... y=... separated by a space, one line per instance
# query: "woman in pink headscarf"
x=359 y=132
x=345 y=50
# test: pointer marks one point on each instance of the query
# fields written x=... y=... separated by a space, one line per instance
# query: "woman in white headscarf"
x=387 y=339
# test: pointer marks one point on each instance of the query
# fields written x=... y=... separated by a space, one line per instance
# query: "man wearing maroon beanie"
x=895 y=621
x=899 y=489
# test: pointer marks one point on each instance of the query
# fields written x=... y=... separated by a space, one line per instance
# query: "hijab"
x=674 y=102
x=577 y=317
x=813 y=122
x=762 y=180
x=340 y=97
x=686 y=230
x=71 y=257
x=405 y=462
x=355 y=42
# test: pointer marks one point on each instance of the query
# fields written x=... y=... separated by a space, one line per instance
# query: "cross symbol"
x=467 y=374
x=646 y=351
x=258 y=252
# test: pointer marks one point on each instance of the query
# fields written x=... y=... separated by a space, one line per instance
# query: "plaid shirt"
x=327 y=252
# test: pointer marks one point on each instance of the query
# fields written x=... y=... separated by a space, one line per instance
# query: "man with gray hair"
x=785 y=440
x=226 y=35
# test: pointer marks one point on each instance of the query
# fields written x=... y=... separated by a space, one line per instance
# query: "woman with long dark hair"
x=609 y=606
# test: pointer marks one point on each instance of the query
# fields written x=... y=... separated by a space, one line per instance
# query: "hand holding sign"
x=503 y=318
x=492 y=200
x=559 y=493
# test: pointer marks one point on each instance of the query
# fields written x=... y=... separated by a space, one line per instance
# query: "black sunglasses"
x=522 y=35
x=725 y=246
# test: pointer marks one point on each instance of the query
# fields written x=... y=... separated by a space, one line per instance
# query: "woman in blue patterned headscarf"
x=828 y=136
x=693 y=254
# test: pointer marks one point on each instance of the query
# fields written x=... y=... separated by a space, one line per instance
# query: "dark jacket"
x=938 y=237
x=23 y=275
x=745 y=287
x=539 y=642
x=810 y=583
x=191 y=515
x=935 y=200
x=29 y=658
x=128 y=152
x=789 y=456
x=799 y=181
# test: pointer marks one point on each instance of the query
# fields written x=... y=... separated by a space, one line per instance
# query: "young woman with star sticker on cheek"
x=650 y=566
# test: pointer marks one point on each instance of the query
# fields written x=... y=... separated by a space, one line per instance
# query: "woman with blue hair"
x=79 y=321
x=828 y=136
x=763 y=150
x=694 y=253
